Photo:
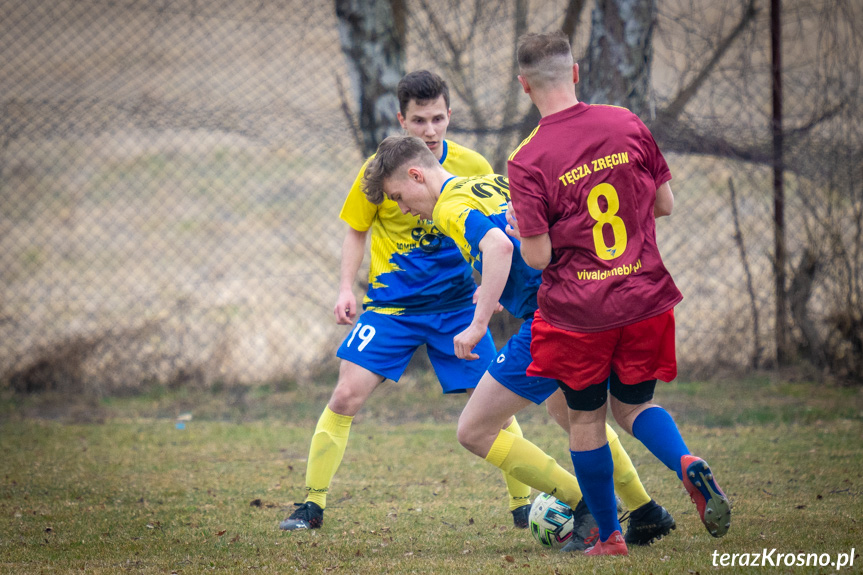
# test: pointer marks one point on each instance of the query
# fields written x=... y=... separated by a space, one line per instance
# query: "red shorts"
x=638 y=352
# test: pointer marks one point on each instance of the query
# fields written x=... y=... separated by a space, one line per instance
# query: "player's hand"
x=466 y=341
x=345 y=309
x=512 y=223
x=499 y=307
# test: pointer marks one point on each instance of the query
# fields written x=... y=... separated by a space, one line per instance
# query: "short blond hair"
x=545 y=59
x=395 y=153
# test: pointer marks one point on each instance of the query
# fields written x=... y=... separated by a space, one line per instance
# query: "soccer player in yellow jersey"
x=420 y=292
x=472 y=211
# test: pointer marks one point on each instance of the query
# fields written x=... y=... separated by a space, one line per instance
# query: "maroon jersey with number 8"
x=588 y=176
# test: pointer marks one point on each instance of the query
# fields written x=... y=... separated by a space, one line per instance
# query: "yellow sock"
x=519 y=493
x=325 y=454
x=626 y=481
x=531 y=465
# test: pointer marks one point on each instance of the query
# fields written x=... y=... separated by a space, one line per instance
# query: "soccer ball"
x=550 y=521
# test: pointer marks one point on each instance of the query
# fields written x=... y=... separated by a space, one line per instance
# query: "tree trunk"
x=372 y=34
x=619 y=54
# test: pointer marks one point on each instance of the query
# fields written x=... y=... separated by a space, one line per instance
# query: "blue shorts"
x=384 y=344
x=511 y=364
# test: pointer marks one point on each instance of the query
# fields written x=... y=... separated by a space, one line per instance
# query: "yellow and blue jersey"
x=414 y=268
x=466 y=210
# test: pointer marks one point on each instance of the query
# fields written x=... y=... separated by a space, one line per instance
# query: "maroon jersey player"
x=586 y=187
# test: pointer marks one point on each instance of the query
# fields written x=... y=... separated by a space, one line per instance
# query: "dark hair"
x=392 y=155
x=533 y=48
x=422 y=86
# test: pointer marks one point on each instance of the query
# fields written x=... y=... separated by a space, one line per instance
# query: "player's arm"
x=496 y=251
x=353 y=250
x=664 y=201
x=359 y=214
x=476 y=299
x=535 y=250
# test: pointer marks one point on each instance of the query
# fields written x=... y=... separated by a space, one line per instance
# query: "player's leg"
x=581 y=362
x=329 y=443
x=592 y=458
x=519 y=492
x=330 y=439
x=509 y=370
x=647 y=352
x=457 y=374
x=479 y=431
x=504 y=390
x=656 y=429
x=584 y=525
x=377 y=348
x=648 y=521
x=556 y=407
x=634 y=411
x=627 y=483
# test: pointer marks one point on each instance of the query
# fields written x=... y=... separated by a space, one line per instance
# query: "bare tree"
x=372 y=34
x=619 y=54
x=717 y=105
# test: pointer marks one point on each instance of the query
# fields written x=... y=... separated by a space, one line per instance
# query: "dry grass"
x=135 y=493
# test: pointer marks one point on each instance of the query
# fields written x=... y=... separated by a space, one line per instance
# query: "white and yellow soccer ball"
x=550 y=521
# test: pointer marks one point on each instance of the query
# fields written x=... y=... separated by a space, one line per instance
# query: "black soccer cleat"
x=585 y=532
x=307 y=515
x=521 y=516
x=649 y=523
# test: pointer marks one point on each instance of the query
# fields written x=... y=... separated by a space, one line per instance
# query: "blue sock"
x=655 y=428
x=594 y=470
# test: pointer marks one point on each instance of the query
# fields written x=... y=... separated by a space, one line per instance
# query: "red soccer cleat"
x=713 y=506
x=614 y=545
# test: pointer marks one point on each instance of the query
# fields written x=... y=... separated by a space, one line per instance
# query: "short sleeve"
x=357 y=211
x=529 y=201
x=483 y=167
x=450 y=218
x=654 y=161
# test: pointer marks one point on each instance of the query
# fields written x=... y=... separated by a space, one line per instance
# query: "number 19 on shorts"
x=364 y=332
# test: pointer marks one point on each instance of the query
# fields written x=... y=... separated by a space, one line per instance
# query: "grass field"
x=115 y=487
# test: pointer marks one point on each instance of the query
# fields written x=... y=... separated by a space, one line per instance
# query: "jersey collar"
x=448 y=180
x=445 y=150
x=565 y=114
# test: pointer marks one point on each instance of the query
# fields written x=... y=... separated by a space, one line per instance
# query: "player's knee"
x=559 y=413
x=341 y=405
x=620 y=412
x=463 y=433
x=469 y=436
x=625 y=413
x=355 y=385
x=346 y=399
x=627 y=401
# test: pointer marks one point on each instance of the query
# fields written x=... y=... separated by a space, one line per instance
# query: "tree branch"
x=738 y=238
x=349 y=115
x=673 y=110
x=510 y=106
x=571 y=18
x=459 y=80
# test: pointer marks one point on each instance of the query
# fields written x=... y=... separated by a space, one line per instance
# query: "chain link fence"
x=171 y=174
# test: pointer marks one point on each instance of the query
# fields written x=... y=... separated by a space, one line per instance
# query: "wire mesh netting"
x=172 y=174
